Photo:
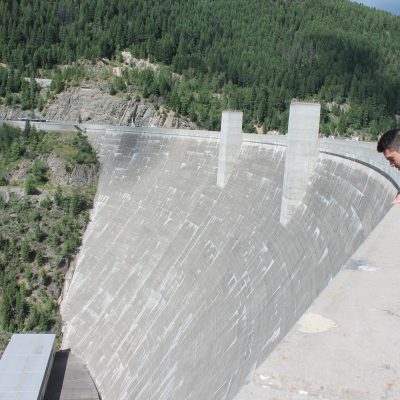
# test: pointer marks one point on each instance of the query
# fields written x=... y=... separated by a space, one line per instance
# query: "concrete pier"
x=301 y=155
x=229 y=145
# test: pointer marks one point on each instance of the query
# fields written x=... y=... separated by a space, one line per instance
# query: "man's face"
x=393 y=157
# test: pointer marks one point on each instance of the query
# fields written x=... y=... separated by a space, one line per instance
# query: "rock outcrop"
x=59 y=172
x=16 y=113
x=92 y=102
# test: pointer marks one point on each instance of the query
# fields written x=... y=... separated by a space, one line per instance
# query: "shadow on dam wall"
x=182 y=288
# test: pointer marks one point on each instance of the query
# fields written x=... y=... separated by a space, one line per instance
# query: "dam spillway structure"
x=184 y=286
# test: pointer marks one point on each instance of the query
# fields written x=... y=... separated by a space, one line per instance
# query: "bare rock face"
x=16 y=113
x=18 y=173
x=59 y=173
x=78 y=175
x=93 y=103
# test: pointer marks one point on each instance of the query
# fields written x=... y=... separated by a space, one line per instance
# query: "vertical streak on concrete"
x=301 y=155
x=229 y=144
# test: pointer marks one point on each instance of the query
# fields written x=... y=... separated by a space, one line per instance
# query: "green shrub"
x=39 y=258
x=28 y=273
x=43 y=278
x=39 y=171
x=46 y=203
x=25 y=251
x=29 y=185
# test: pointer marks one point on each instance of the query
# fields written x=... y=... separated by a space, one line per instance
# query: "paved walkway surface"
x=69 y=380
x=347 y=345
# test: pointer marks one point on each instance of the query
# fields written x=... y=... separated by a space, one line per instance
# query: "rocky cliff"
x=92 y=102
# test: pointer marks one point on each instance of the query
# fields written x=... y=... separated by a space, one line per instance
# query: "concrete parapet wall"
x=364 y=152
x=182 y=288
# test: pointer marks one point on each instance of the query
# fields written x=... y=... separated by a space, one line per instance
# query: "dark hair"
x=389 y=140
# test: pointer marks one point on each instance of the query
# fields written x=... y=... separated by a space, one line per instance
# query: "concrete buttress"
x=301 y=155
x=229 y=145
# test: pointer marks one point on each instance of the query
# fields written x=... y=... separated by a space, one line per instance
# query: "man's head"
x=389 y=145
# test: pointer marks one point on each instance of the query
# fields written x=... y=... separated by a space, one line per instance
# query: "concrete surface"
x=364 y=152
x=69 y=380
x=182 y=288
x=302 y=150
x=229 y=146
x=190 y=287
x=346 y=346
x=25 y=366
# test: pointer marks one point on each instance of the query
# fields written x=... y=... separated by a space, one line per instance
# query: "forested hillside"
x=252 y=55
x=47 y=185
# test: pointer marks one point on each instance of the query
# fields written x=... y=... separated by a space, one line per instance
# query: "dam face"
x=182 y=288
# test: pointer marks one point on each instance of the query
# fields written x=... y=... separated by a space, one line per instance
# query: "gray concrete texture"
x=346 y=345
x=69 y=380
x=25 y=366
x=302 y=152
x=229 y=145
x=183 y=288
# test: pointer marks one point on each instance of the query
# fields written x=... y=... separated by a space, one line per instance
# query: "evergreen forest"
x=250 y=55
x=42 y=218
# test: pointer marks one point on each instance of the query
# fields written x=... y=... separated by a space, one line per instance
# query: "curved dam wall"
x=183 y=288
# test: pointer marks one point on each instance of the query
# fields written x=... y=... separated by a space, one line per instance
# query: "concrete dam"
x=183 y=287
